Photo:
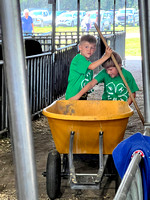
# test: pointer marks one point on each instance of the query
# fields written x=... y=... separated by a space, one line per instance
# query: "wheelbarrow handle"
x=121 y=74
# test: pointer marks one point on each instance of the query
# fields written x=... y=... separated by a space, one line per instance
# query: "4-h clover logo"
x=86 y=80
x=116 y=92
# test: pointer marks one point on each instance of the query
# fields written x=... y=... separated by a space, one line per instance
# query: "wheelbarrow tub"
x=87 y=118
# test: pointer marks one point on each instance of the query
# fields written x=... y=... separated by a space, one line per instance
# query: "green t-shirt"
x=79 y=75
x=114 y=88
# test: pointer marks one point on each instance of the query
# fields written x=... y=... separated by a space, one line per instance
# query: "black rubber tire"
x=53 y=175
x=111 y=169
x=65 y=164
x=117 y=182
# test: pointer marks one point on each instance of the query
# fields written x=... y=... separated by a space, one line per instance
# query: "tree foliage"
x=84 y=4
x=34 y=4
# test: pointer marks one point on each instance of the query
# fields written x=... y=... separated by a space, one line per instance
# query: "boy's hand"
x=76 y=97
x=108 y=51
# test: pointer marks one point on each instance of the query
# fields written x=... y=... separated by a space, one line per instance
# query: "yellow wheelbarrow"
x=83 y=127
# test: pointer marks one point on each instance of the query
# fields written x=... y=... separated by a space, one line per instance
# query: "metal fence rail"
x=3 y=102
x=131 y=184
x=47 y=76
x=65 y=38
x=47 y=73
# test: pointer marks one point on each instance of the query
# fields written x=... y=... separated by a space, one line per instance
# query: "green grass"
x=132 y=45
x=49 y=29
x=132 y=29
x=128 y=29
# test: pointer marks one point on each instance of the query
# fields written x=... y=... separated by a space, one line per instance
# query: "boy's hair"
x=88 y=38
x=109 y=62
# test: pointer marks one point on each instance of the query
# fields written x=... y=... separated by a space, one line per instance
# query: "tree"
x=84 y=4
x=34 y=4
x=107 y=5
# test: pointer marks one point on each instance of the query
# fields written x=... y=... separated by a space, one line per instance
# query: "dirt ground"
x=43 y=144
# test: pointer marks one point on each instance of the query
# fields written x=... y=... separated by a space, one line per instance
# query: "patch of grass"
x=132 y=29
x=129 y=29
x=46 y=29
x=132 y=47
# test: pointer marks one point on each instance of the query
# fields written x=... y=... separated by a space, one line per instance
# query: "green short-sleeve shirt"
x=114 y=88
x=79 y=75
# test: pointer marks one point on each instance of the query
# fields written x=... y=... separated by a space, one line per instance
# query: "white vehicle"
x=41 y=17
x=132 y=16
x=66 y=19
x=82 y=14
x=105 y=21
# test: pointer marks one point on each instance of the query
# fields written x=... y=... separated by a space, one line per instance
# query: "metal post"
x=53 y=25
x=99 y=41
x=128 y=177
x=114 y=25
x=125 y=17
x=58 y=5
x=53 y=2
x=145 y=47
x=99 y=7
x=19 y=113
x=78 y=20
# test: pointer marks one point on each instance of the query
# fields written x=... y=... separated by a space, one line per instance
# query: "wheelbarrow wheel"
x=53 y=175
x=117 y=182
x=111 y=170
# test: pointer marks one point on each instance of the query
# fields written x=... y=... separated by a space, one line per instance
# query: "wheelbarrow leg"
x=71 y=165
x=102 y=159
x=102 y=163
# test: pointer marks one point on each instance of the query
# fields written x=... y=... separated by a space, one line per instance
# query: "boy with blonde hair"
x=81 y=69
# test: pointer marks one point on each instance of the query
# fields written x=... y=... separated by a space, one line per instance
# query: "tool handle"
x=122 y=76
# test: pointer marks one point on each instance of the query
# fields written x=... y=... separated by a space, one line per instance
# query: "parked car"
x=60 y=12
x=66 y=19
x=132 y=16
x=111 y=15
x=105 y=21
x=82 y=14
x=41 y=17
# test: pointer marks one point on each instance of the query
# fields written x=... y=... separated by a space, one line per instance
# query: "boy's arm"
x=130 y=100
x=86 y=88
x=100 y=61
